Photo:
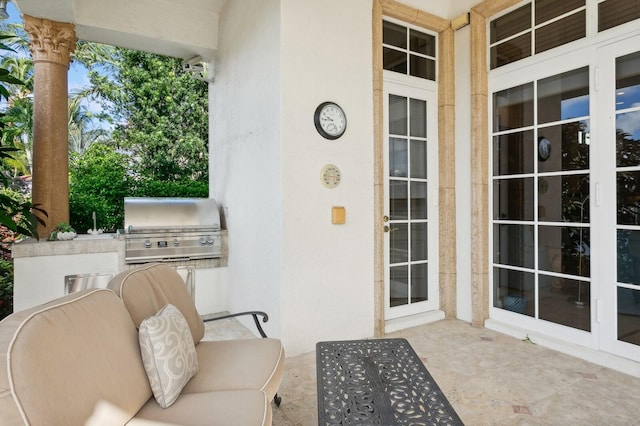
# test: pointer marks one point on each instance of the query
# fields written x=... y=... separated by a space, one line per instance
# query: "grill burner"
x=171 y=229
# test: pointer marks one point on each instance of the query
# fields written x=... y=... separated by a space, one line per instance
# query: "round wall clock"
x=330 y=176
x=330 y=120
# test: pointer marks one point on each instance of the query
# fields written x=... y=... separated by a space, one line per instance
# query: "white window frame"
x=561 y=59
x=408 y=78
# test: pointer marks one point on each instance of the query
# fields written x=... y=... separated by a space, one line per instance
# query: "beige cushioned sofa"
x=76 y=360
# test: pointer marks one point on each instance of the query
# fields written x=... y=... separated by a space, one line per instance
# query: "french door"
x=566 y=197
x=619 y=86
x=411 y=191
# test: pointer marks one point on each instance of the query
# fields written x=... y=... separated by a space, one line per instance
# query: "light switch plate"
x=338 y=215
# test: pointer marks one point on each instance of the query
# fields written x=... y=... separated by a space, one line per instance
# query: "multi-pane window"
x=612 y=13
x=408 y=51
x=541 y=217
x=545 y=24
x=408 y=203
x=565 y=178
x=535 y=28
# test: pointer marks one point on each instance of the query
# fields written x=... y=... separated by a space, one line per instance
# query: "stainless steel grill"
x=171 y=229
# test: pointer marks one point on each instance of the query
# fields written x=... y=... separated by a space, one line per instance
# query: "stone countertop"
x=82 y=244
x=100 y=243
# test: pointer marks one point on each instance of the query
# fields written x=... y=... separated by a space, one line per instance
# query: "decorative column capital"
x=50 y=41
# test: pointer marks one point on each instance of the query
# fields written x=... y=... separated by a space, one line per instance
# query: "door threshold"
x=604 y=359
x=397 y=324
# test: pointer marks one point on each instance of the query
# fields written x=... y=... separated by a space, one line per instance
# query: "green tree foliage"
x=159 y=145
x=166 y=188
x=16 y=210
x=18 y=131
x=99 y=180
x=160 y=111
x=6 y=288
x=84 y=126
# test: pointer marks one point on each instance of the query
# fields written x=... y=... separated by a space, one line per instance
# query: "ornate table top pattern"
x=377 y=382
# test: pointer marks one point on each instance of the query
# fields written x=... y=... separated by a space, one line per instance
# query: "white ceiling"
x=447 y=9
x=180 y=28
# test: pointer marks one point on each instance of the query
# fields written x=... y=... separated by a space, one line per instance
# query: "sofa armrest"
x=277 y=399
x=254 y=314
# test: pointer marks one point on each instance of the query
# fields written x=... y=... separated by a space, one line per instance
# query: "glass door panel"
x=627 y=123
x=565 y=196
x=411 y=148
x=541 y=199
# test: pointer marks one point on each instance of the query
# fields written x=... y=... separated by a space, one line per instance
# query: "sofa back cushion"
x=147 y=289
x=59 y=360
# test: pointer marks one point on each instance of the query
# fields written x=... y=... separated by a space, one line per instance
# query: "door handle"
x=386 y=228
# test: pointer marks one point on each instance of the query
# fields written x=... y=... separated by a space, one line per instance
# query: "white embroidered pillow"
x=168 y=353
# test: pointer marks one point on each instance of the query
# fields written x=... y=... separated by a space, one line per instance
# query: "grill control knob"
x=147 y=244
x=176 y=242
x=210 y=241
x=202 y=241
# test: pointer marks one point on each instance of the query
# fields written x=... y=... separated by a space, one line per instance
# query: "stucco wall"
x=327 y=270
x=463 y=172
x=277 y=60
x=245 y=153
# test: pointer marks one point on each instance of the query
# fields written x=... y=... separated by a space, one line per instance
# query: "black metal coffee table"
x=377 y=382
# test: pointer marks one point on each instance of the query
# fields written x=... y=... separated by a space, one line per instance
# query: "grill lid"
x=161 y=214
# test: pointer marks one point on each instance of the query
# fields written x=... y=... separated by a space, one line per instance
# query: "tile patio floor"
x=489 y=378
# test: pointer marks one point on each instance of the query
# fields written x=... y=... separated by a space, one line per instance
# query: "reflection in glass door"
x=566 y=198
x=541 y=200
x=627 y=121
x=408 y=220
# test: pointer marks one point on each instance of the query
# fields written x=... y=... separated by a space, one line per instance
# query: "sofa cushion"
x=238 y=364
x=168 y=353
x=220 y=408
x=107 y=414
x=147 y=289
x=58 y=360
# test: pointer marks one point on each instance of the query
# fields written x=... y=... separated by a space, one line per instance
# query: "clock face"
x=330 y=176
x=330 y=120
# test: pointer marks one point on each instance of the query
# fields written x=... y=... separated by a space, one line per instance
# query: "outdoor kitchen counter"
x=41 y=268
x=101 y=243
